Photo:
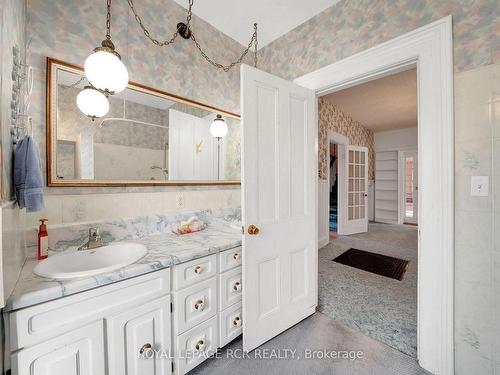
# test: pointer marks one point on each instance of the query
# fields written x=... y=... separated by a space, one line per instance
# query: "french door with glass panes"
x=356 y=210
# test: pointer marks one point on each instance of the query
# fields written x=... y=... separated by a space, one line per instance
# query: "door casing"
x=342 y=143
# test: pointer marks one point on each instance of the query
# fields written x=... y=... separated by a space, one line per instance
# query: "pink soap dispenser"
x=43 y=240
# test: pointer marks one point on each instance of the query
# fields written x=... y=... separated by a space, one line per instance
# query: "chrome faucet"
x=94 y=240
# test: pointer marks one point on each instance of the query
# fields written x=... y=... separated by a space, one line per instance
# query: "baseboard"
x=322 y=242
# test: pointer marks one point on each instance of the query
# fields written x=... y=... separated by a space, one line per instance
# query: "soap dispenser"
x=43 y=240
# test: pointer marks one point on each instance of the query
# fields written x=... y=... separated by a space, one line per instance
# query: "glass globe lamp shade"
x=92 y=102
x=218 y=129
x=106 y=72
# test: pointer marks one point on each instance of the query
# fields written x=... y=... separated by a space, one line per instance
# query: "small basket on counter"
x=192 y=225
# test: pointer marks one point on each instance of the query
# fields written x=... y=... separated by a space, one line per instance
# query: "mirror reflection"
x=143 y=137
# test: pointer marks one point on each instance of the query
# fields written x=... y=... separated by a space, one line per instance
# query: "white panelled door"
x=356 y=210
x=279 y=190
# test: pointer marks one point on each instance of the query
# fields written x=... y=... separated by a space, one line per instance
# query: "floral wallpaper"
x=351 y=26
x=332 y=118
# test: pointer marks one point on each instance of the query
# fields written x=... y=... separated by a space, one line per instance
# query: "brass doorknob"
x=253 y=230
x=144 y=348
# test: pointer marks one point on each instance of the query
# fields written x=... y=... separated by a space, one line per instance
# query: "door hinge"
x=242 y=229
x=171 y=307
x=172 y=366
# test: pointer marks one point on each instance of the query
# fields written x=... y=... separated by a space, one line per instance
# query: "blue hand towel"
x=28 y=180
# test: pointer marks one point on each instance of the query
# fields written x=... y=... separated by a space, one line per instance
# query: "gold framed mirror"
x=147 y=138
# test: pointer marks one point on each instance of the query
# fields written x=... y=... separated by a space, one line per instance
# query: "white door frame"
x=342 y=142
x=430 y=48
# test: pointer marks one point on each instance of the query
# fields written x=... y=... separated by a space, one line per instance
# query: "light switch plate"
x=479 y=186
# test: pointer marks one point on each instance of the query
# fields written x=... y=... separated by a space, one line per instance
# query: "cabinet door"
x=79 y=352
x=139 y=340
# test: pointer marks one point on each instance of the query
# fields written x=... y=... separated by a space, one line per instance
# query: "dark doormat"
x=383 y=265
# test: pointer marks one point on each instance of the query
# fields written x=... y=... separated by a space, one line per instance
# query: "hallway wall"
x=332 y=118
x=396 y=139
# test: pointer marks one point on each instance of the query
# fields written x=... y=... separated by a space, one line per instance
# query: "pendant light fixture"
x=104 y=68
x=218 y=129
x=92 y=102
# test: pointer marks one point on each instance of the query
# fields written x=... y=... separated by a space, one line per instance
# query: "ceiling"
x=235 y=18
x=386 y=103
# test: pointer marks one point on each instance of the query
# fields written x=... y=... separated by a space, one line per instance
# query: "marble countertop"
x=164 y=250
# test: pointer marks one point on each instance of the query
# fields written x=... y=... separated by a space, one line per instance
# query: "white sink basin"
x=90 y=262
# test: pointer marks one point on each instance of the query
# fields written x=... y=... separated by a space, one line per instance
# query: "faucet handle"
x=94 y=232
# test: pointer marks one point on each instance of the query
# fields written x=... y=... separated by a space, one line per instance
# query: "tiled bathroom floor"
x=321 y=333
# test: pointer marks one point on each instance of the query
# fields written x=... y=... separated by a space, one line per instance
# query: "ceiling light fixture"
x=185 y=31
x=104 y=69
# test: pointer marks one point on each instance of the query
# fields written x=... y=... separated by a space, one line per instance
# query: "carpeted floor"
x=382 y=308
x=318 y=332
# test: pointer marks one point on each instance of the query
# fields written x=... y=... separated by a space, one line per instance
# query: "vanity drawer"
x=230 y=324
x=230 y=259
x=202 y=338
x=195 y=304
x=189 y=273
x=230 y=288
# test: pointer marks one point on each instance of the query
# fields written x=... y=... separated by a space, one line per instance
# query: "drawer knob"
x=144 y=348
x=200 y=345
x=197 y=269
x=236 y=256
x=237 y=286
x=237 y=321
x=199 y=305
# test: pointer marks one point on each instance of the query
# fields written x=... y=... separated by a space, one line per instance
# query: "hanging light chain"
x=147 y=33
x=77 y=82
x=226 y=68
x=108 y=20
x=255 y=44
